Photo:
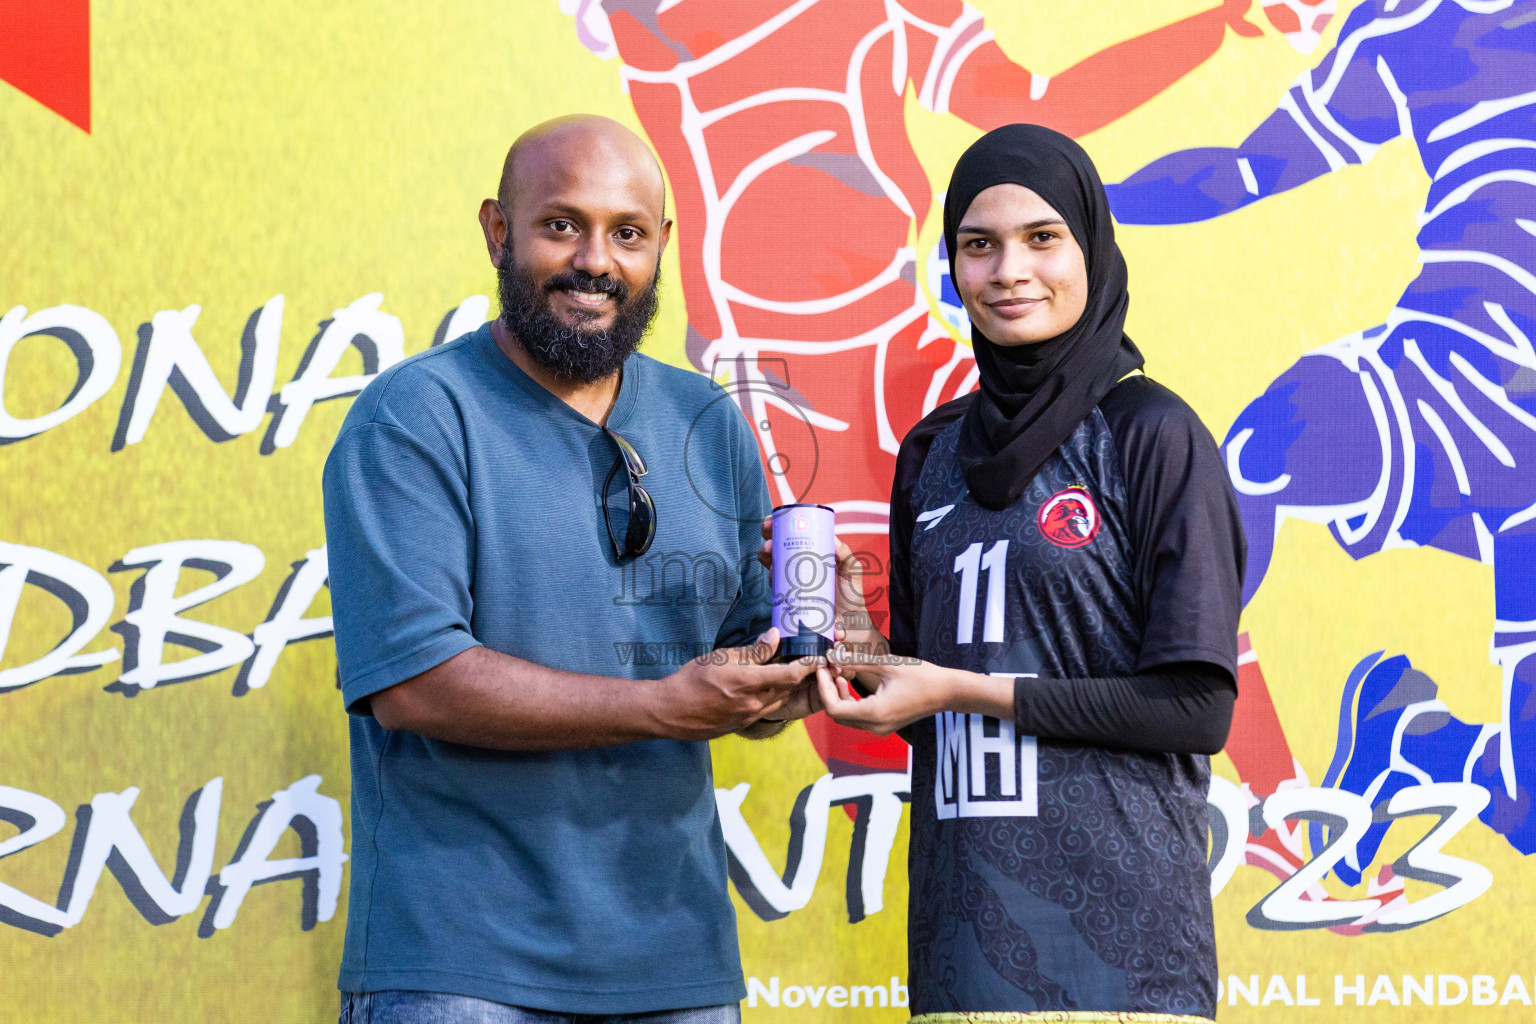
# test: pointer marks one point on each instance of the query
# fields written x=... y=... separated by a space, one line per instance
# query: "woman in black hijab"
x=1066 y=558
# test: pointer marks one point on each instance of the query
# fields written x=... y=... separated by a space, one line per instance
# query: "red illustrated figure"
x=782 y=129
x=1069 y=519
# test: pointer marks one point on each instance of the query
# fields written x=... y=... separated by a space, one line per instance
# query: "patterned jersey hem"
x=1058 y=1017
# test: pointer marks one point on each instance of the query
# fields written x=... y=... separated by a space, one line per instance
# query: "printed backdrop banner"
x=221 y=220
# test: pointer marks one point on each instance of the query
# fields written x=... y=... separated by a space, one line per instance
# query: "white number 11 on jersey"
x=966 y=564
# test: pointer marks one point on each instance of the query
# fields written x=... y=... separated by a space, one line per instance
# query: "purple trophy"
x=804 y=579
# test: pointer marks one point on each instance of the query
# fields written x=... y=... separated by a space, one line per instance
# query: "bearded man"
x=533 y=818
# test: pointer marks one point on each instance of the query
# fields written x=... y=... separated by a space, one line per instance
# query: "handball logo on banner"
x=1069 y=518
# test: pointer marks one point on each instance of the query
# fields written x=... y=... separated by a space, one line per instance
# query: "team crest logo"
x=1069 y=518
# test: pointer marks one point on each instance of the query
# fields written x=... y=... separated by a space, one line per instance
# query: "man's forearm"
x=486 y=699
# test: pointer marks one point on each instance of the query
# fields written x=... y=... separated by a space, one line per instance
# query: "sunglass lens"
x=642 y=521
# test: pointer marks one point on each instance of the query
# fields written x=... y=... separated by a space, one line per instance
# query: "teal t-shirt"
x=463 y=507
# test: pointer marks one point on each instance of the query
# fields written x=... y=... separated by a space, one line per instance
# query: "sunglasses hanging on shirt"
x=641 y=527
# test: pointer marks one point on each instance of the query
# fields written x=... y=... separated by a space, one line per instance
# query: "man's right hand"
x=728 y=689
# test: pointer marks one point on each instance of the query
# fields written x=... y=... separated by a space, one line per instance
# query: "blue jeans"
x=400 y=1007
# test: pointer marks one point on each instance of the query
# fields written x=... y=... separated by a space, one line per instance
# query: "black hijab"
x=1033 y=396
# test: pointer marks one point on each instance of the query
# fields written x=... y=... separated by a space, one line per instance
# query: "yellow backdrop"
x=325 y=153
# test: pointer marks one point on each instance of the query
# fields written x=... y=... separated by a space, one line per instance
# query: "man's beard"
x=574 y=352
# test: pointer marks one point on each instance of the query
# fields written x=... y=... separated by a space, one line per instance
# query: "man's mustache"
x=576 y=280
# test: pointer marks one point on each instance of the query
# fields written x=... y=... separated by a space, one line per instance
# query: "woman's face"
x=1019 y=271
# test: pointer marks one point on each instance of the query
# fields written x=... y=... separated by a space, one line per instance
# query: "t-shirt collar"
x=623 y=404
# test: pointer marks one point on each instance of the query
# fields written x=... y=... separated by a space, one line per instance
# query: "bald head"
x=576 y=234
x=564 y=146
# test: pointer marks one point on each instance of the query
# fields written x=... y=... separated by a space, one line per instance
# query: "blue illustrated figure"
x=1420 y=431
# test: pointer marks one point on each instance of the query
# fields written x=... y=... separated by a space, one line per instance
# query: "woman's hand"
x=901 y=690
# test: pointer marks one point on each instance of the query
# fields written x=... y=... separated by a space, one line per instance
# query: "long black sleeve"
x=1187 y=544
x=1179 y=708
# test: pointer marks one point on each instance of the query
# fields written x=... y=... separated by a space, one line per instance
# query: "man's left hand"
x=803 y=703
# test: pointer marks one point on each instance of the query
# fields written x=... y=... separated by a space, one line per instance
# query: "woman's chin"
x=1016 y=338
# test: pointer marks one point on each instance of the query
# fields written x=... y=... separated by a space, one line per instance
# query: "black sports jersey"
x=1046 y=875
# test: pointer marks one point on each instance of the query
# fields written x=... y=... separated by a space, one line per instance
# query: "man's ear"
x=666 y=235
x=493 y=223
